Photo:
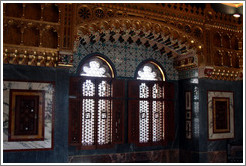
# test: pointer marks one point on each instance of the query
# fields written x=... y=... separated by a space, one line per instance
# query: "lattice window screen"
x=149 y=111
x=96 y=113
x=97 y=104
x=88 y=121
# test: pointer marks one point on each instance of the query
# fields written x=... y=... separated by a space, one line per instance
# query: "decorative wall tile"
x=125 y=57
x=49 y=92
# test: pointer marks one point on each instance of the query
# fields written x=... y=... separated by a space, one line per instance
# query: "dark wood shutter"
x=170 y=126
x=74 y=136
x=74 y=122
x=133 y=89
x=118 y=110
x=73 y=86
x=133 y=111
x=168 y=90
x=169 y=111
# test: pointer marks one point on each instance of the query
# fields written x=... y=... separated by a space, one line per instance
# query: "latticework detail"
x=88 y=88
x=88 y=120
x=104 y=89
x=157 y=121
x=143 y=91
x=144 y=121
x=104 y=122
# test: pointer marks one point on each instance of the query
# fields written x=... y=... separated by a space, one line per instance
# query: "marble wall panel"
x=159 y=156
x=211 y=134
x=48 y=115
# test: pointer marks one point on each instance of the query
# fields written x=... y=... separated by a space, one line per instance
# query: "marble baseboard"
x=217 y=157
x=160 y=156
x=49 y=95
x=203 y=157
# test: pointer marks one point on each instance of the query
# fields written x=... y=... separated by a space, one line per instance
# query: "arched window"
x=94 y=94
x=148 y=105
x=150 y=71
x=97 y=67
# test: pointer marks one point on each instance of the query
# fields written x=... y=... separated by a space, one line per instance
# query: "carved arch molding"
x=181 y=42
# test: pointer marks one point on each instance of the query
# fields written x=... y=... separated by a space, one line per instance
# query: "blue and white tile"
x=118 y=53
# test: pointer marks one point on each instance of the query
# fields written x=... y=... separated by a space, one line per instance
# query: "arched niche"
x=226 y=60
x=235 y=61
x=235 y=42
x=217 y=59
x=51 y=13
x=14 y=9
x=198 y=33
x=31 y=37
x=226 y=41
x=50 y=39
x=13 y=35
x=217 y=40
x=33 y=11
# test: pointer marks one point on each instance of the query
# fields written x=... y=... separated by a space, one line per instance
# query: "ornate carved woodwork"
x=189 y=35
x=96 y=112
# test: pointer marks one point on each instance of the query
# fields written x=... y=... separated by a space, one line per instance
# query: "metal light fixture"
x=236 y=15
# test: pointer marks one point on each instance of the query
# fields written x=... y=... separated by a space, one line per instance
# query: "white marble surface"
x=49 y=92
x=212 y=135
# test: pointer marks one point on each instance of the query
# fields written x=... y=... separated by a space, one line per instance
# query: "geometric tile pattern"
x=125 y=57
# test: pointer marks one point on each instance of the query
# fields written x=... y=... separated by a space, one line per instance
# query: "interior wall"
x=216 y=151
x=189 y=148
x=61 y=79
x=125 y=59
x=199 y=148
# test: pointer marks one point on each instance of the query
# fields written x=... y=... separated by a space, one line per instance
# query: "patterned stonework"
x=125 y=57
x=20 y=145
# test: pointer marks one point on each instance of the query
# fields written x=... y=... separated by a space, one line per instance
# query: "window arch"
x=150 y=71
x=96 y=66
x=93 y=106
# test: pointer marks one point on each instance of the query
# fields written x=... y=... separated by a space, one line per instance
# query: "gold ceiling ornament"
x=178 y=30
x=34 y=56
x=221 y=73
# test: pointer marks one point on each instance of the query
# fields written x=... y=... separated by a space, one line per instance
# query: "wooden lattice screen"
x=96 y=112
x=151 y=112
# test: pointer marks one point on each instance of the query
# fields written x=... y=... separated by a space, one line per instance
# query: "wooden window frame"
x=75 y=111
x=133 y=108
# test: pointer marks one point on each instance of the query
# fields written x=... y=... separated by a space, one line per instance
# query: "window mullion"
x=96 y=114
x=150 y=114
